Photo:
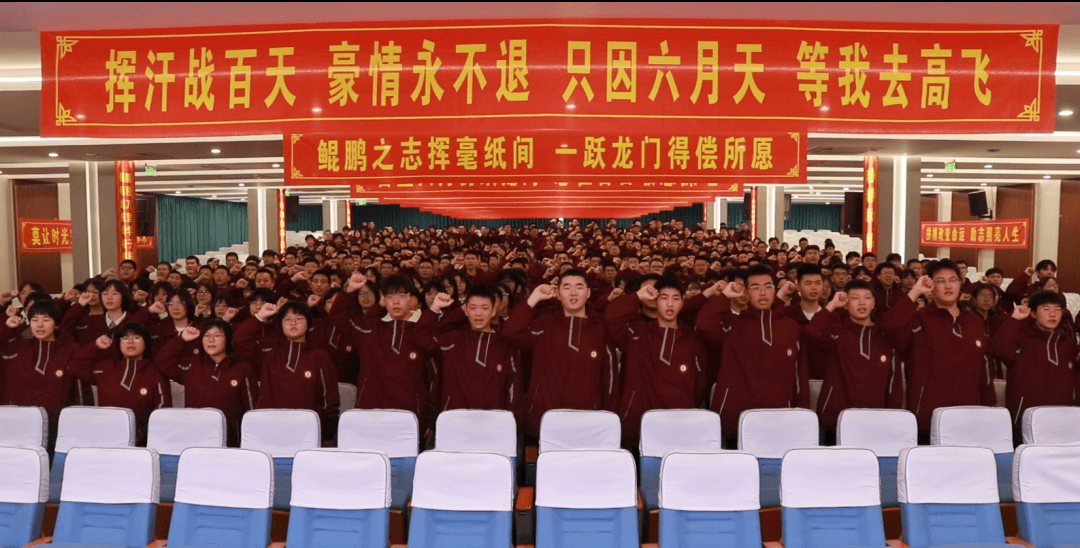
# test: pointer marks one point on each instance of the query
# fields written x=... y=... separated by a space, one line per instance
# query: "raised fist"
x=442 y=300
x=1021 y=312
x=230 y=314
x=103 y=342
x=313 y=301
x=542 y=292
x=267 y=310
x=84 y=298
x=190 y=333
x=648 y=293
x=734 y=291
x=839 y=300
x=13 y=321
x=157 y=308
x=615 y=294
x=356 y=281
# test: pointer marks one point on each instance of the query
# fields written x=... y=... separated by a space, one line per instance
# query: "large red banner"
x=813 y=76
x=607 y=158
x=996 y=234
x=44 y=236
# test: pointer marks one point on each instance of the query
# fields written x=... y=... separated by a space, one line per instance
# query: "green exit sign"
x=151 y=170
x=951 y=166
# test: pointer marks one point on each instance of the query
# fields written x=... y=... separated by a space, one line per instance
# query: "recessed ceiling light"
x=1065 y=112
x=828 y=203
x=937 y=190
x=846 y=189
x=929 y=174
x=178 y=192
x=982 y=184
x=988 y=166
x=55 y=154
x=242 y=184
x=1046 y=176
x=275 y=165
x=215 y=151
x=214 y=196
x=795 y=197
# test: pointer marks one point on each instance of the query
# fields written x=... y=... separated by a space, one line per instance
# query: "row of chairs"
x=830 y=497
x=765 y=433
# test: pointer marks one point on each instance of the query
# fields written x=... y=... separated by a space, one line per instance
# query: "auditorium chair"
x=109 y=498
x=1051 y=424
x=391 y=431
x=1046 y=486
x=339 y=498
x=949 y=495
x=768 y=434
x=562 y=429
x=82 y=426
x=667 y=430
x=977 y=426
x=885 y=432
x=171 y=430
x=281 y=432
x=586 y=498
x=223 y=499
x=461 y=499
x=709 y=500
x=24 y=426
x=24 y=488
x=347 y=396
x=488 y=431
x=830 y=497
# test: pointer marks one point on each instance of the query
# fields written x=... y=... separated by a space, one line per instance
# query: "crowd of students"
x=654 y=316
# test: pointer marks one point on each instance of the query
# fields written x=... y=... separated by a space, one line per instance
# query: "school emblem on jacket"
x=884 y=358
x=789 y=352
x=682 y=368
x=143 y=392
x=59 y=372
x=234 y=383
x=498 y=368
x=978 y=343
x=307 y=374
x=593 y=354
x=412 y=355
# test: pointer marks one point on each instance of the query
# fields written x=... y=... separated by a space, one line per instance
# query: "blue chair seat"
x=168 y=476
x=438 y=528
x=282 y=482
x=1004 y=475
x=20 y=523
x=710 y=529
x=974 y=545
x=401 y=481
x=320 y=527
x=770 y=482
x=650 y=481
x=579 y=528
x=81 y=523
x=201 y=525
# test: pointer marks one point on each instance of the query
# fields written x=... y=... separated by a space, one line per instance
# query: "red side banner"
x=815 y=76
x=144 y=242
x=996 y=234
x=44 y=236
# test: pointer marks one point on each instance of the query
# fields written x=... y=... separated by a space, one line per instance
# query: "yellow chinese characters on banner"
x=126 y=216
x=44 y=236
x=996 y=234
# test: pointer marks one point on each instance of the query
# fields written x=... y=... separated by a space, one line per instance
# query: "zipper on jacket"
x=919 y=406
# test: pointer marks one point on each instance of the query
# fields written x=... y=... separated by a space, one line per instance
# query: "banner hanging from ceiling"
x=44 y=236
x=996 y=234
x=557 y=160
x=809 y=76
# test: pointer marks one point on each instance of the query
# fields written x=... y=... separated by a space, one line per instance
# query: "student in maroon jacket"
x=480 y=370
x=100 y=310
x=1040 y=354
x=180 y=314
x=130 y=380
x=393 y=374
x=886 y=286
x=574 y=364
x=203 y=361
x=1023 y=287
x=762 y=363
x=810 y=284
x=34 y=371
x=949 y=363
x=665 y=360
x=863 y=369
x=295 y=373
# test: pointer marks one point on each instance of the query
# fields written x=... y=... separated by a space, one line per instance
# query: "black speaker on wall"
x=977 y=204
x=746 y=208
x=292 y=209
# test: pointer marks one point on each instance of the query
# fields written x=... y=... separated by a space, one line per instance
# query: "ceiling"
x=188 y=167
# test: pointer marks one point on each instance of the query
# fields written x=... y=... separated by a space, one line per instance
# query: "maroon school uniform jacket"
x=573 y=367
x=34 y=372
x=87 y=328
x=294 y=375
x=480 y=370
x=863 y=370
x=665 y=367
x=818 y=352
x=394 y=373
x=230 y=386
x=164 y=331
x=762 y=365
x=885 y=298
x=1041 y=365
x=135 y=384
x=948 y=363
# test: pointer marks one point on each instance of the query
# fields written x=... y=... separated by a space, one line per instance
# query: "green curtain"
x=803 y=216
x=310 y=219
x=398 y=217
x=191 y=226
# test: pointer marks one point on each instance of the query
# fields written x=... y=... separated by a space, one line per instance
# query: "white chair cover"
x=339 y=479
x=111 y=475
x=231 y=478
x=83 y=426
x=280 y=432
x=829 y=477
x=492 y=431
x=26 y=426
x=1046 y=473
x=1051 y=425
x=24 y=475
x=563 y=429
x=972 y=426
x=947 y=475
x=171 y=430
x=884 y=431
x=769 y=433
x=666 y=430
x=586 y=479
x=391 y=431
x=347 y=395
x=475 y=482
x=710 y=482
